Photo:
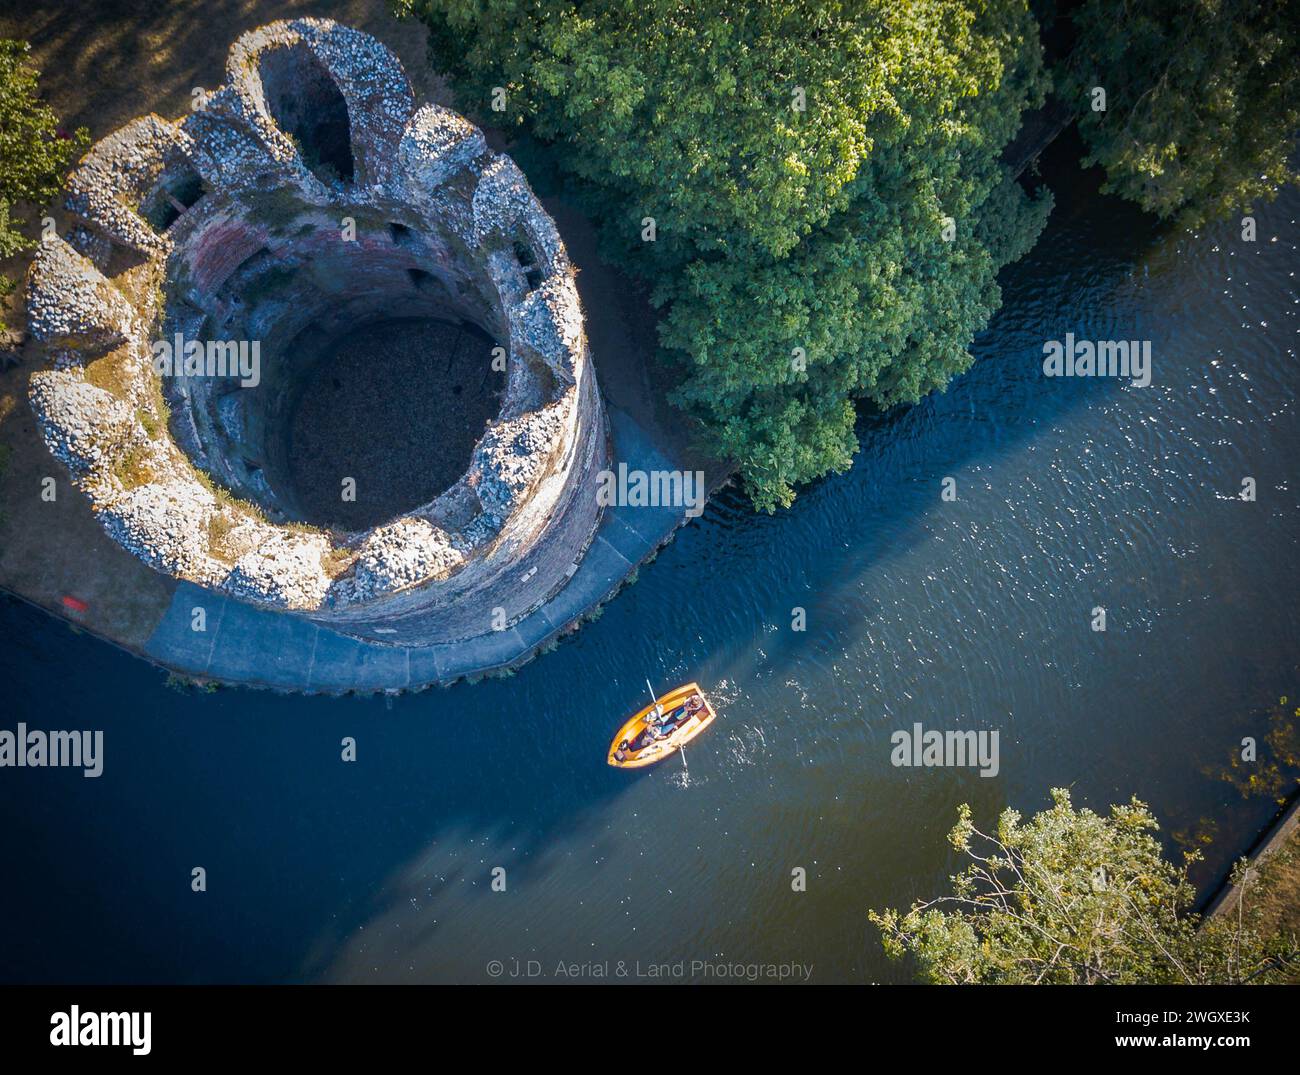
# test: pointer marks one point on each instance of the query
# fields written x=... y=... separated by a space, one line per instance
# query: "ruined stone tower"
x=303 y=199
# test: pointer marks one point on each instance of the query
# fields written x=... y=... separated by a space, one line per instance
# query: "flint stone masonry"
x=84 y=425
x=70 y=304
x=303 y=198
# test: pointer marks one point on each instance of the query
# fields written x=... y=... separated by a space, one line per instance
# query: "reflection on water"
x=974 y=614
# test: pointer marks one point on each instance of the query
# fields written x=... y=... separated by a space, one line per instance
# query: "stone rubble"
x=84 y=425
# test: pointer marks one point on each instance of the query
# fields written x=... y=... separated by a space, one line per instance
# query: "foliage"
x=1202 y=100
x=33 y=154
x=1277 y=772
x=778 y=228
x=1070 y=897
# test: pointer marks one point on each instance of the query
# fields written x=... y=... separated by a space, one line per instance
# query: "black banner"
x=230 y=1023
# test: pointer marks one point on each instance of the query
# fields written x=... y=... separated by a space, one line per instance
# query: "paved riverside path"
x=248 y=645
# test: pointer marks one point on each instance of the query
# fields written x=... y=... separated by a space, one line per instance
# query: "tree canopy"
x=1202 y=101
x=1072 y=897
x=33 y=156
x=828 y=206
x=823 y=181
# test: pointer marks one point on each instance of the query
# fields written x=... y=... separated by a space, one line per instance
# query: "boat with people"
x=661 y=728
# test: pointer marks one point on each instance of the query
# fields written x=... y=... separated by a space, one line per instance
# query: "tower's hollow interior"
x=397 y=405
x=371 y=364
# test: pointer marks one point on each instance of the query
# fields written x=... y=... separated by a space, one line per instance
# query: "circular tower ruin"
x=320 y=350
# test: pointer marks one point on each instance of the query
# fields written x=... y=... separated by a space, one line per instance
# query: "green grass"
x=276 y=209
x=110 y=374
x=132 y=468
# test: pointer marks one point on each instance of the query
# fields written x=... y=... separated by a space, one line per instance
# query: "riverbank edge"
x=505 y=667
x=241 y=645
x=1284 y=828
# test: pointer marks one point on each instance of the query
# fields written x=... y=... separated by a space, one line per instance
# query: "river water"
x=969 y=614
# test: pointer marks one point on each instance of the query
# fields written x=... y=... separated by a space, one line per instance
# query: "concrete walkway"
x=246 y=645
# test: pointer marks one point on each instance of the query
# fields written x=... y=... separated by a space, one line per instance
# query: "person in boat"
x=694 y=706
x=621 y=753
x=660 y=724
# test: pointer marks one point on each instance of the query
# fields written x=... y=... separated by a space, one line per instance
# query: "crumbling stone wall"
x=226 y=226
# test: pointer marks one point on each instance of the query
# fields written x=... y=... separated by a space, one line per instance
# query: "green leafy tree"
x=1071 y=897
x=824 y=179
x=33 y=157
x=1202 y=100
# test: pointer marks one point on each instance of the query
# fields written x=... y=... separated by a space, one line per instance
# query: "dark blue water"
x=971 y=614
